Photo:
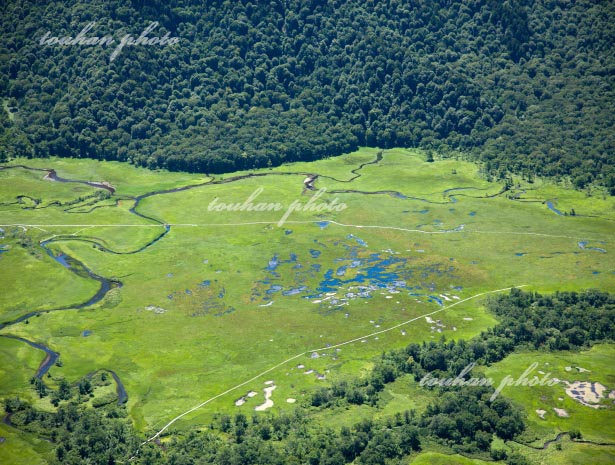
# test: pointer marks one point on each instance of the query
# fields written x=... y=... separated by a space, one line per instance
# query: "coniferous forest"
x=523 y=86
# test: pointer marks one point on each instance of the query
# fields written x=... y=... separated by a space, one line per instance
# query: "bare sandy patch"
x=586 y=393
x=561 y=412
x=268 y=402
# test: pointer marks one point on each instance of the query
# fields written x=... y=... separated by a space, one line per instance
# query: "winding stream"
x=50 y=359
x=558 y=438
x=52 y=176
x=80 y=269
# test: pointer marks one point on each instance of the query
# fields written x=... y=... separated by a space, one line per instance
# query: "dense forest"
x=460 y=419
x=523 y=86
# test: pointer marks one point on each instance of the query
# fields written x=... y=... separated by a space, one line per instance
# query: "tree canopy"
x=524 y=86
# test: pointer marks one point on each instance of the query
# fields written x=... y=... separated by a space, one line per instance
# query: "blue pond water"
x=352 y=272
x=287 y=232
x=583 y=246
x=62 y=260
x=273 y=263
x=322 y=224
x=86 y=333
x=472 y=213
x=359 y=241
x=205 y=283
x=553 y=209
x=520 y=254
x=294 y=291
x=274 y=288
x=377 y=273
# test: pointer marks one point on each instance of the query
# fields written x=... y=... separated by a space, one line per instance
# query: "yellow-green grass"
x=594 y=424
x=401 y=395
x=568 y=453
x=36 y=282
x=19 y=447
x=126 y=179
x=435 y=458
x=172 y=361
x=562 y=452
x=341 y=167
x=18 y=363
x=594 y=203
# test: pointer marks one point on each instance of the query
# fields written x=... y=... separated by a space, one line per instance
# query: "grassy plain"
x=595 y=424
x=226 y=296
x=434 y=458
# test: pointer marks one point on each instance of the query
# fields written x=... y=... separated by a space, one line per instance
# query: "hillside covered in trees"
x=522 y=85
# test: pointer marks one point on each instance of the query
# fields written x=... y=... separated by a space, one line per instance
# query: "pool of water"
x=353 y=274
x=62 y=259
x=551 y=207
x=583 y=246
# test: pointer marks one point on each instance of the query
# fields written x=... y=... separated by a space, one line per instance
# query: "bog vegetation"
x=462 y=420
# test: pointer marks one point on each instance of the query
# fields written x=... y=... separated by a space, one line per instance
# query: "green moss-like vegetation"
x=434 y=458
x=225 y=297
x=593 y=423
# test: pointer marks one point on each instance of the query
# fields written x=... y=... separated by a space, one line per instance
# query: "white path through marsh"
x=217 y=396
x=282 y=363
x=253 y=223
